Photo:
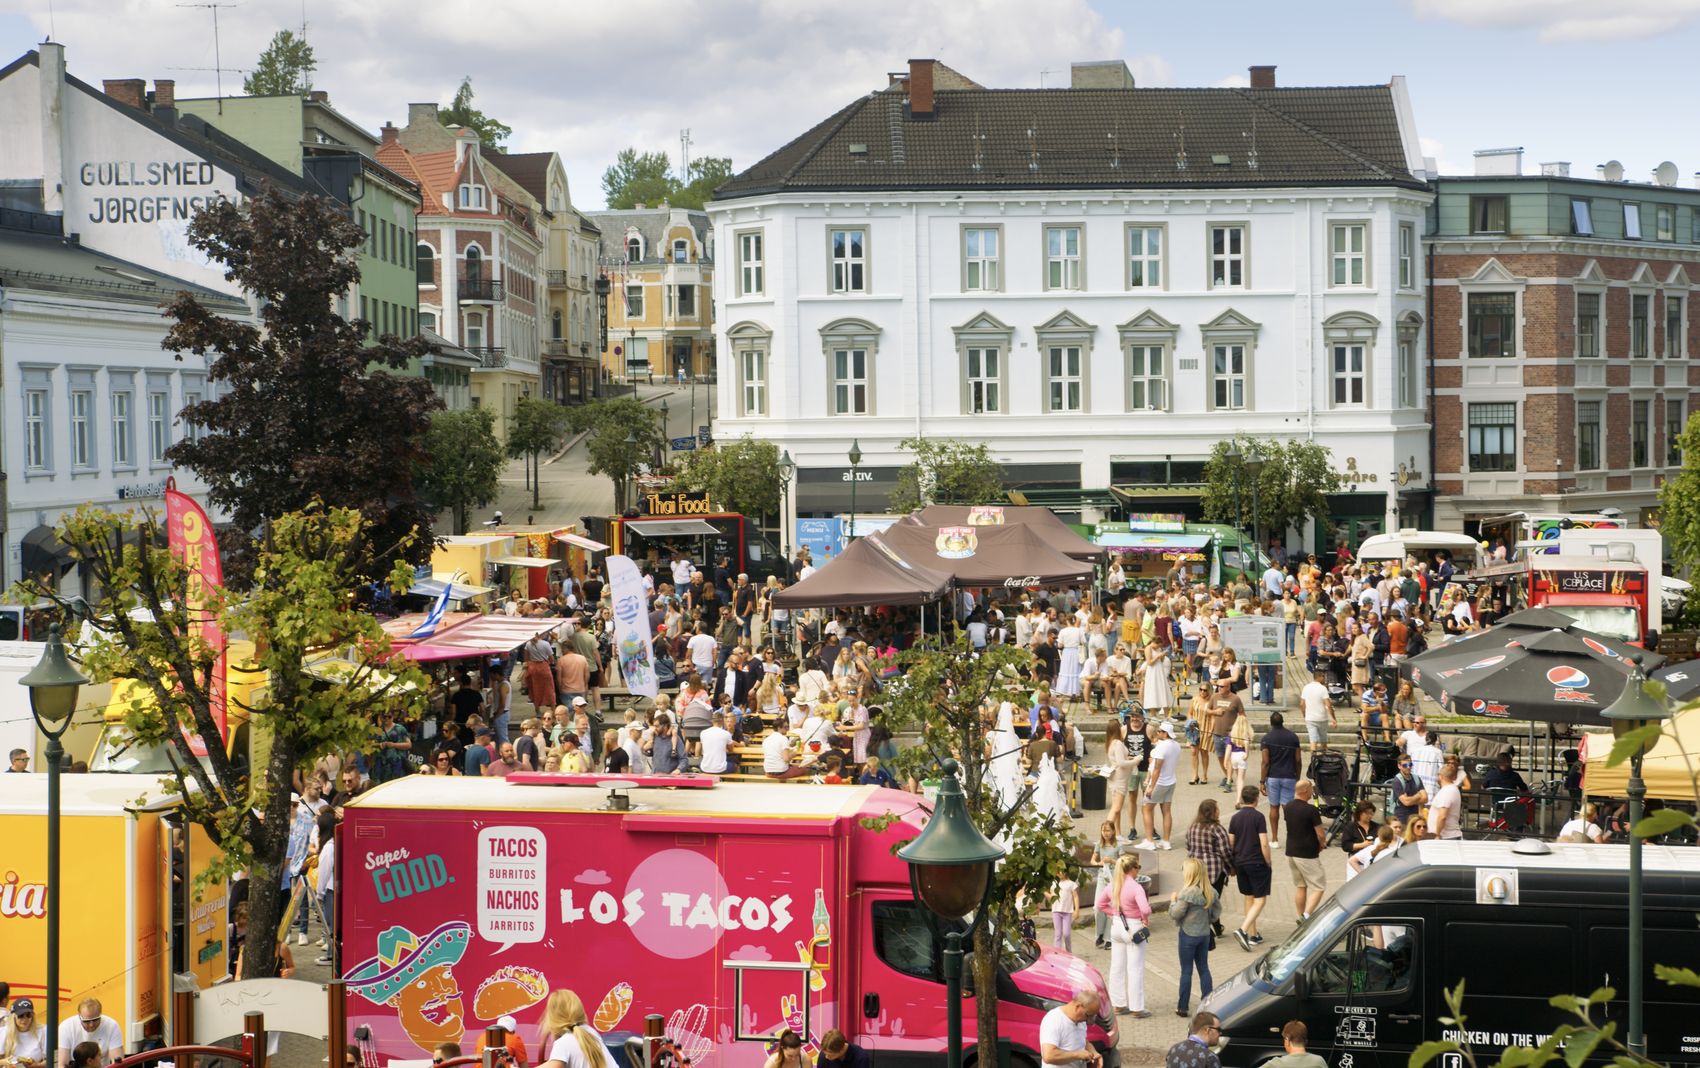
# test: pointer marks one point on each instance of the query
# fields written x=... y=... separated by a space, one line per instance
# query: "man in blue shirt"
x=478 y=753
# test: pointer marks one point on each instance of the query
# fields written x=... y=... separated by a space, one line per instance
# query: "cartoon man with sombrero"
x=415 y=975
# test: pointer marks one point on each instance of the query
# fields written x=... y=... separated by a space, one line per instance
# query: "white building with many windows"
x=1101 y=282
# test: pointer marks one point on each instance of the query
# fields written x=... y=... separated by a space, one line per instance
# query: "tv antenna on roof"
x=218 y=60
x=1042 y=75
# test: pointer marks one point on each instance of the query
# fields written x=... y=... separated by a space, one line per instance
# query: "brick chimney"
x=921 y=89
x=127 y=90
x=164 y=93
x=1263 y=77
x=389 y=134
x=319 y=96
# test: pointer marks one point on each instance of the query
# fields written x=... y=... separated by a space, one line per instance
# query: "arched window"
x=555 y=323
x=681 y=250
x=424 y=262
x=634 y=249
x=428 y=320
x=474 y=264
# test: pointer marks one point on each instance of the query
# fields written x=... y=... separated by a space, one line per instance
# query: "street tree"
x=465 y=466
x=946 y=471
x=1293 y=486
x=147 y=632
x=648 y=178
x=536 y=425
x=1679 y=503
x=285 y=67
x=460 y=112
x=950 y=696
x=609 y=423
x=740 y=476
x=308 y=409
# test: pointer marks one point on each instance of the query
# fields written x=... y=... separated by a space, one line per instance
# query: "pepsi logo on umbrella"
x=1569 y=682
x=1489 y=662
x=1601 y=649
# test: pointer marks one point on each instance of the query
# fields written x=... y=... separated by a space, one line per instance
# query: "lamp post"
x=855 y=463
x=950 y=871
x=631 y=465
x=787 y=468
x=1634 y=709
x=1253 y=468
x=1234 y=457
x=53 y=684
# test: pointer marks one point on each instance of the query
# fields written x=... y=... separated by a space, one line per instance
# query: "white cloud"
x=1437 y=151
x=1232 y=81
x=1566 y=20
x=1151 y=71
x=588 y=79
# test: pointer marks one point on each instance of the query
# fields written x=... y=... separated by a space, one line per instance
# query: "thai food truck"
x=468 y=899
x=666 y=523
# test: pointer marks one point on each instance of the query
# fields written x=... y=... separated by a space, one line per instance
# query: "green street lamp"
x=53 y=685
x=855 y=463
x=1635 y=708
x=950 y=871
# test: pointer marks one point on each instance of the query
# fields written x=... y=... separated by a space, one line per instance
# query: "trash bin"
x=1388 y=673
x=1094 y=791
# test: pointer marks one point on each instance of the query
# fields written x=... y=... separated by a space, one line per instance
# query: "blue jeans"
x=1266 y=684
x=1195 y=950
x=1292 y=639
x=499 y=728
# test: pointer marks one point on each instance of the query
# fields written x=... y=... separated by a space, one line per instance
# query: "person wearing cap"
x=478 y=754
x=515 y=1044
x=574 y=761
x=23 y=1039
x=1160 y=787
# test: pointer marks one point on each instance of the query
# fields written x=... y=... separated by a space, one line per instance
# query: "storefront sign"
x=694 y=502
x=1353 y=475
x=140 y=490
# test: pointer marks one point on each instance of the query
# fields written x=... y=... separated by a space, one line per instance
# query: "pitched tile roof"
x=653 y=224
x=1016 y=139
x=529 y=170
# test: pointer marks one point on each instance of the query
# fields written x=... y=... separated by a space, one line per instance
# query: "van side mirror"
x=1301 y=985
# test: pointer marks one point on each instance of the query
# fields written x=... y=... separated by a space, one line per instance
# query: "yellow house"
x=660 y=263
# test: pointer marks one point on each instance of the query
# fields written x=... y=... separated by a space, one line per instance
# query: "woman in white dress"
x=1157 y=695
x=1070 y=639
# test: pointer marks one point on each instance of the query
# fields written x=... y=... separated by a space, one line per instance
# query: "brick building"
x=1560 y=338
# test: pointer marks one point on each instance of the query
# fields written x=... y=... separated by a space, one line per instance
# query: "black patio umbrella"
x=1516 y=672
x=42 y=554
x=1682 y=680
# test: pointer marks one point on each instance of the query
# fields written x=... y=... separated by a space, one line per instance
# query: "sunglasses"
x=442 y=760
x=24 y=1015
x=1405 y=764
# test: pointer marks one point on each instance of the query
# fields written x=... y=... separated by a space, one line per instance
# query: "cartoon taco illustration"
x=415 y=976
x=508 y=990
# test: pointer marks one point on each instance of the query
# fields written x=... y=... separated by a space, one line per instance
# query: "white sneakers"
x=1164 y=844
x=301 y=939
x=1145 y=845
x=1149 y=844
x=1274 y=845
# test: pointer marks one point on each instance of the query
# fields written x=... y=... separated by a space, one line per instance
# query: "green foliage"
x=1679 y=503
x=491 y=134
x=536 y=426
x=1293 y=486
x=284 y=68
x=947 y=471
x=1676 y=976
x=647 y=178
x=740 y=476
x=307 y=568
x=609 y=422
x=950 y=697
x=1627 y=746
x=465 y=466
x=1664 y=821
x=1572 y=1044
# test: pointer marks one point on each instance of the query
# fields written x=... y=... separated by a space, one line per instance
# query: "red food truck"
x=1604 y=596
x=730 y=910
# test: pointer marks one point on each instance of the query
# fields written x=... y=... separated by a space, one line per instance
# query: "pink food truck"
x=728 y=909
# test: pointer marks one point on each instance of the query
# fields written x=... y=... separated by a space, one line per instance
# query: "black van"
x=1520 y=922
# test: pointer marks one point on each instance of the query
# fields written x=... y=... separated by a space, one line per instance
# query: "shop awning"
x=524 y=561
x=581 y=542
x=432 y=587
x=1136 y=541
x=670 y=528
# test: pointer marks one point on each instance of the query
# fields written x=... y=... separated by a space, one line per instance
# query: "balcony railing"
x=480 y=290
x=560 y=347
x=489 y=357
x=559 y=279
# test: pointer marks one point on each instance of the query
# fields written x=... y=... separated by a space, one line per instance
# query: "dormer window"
x=634 y=249
x=681 y=250
x=472 y=196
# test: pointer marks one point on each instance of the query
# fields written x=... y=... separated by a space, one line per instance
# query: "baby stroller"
x=1383 y=760
x=1328 y=772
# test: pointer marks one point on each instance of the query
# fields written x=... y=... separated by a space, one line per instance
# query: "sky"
x=1569 y=80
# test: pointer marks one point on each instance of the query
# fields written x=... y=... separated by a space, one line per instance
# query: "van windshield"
x=1285 y=958
x=1614 y=621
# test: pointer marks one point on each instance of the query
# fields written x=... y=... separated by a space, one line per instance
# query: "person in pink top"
x=1123 y=901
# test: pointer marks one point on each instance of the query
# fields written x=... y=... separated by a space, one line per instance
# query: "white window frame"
x=1581 y=216
x=1345 y=263
x=1516 y=436
x=1647 y=431
x=751 y=265
x=846 y=281
x=634 y=239
x=751 y=336
x=1145 y=384
x=1664 y=222
x=1147 y=331
x=191 y=431
x=1345 y=334
x=1409 y=377
x=634 y=288
x=159 y=423
x=752 y=380
x=850 y=374
x=1599 y=318
x=37 y=424
x=1228 y=259
x=1407 y=256
x=1071 y=267
x=471 y=197
x=681 y=250
x=1673 y=451
x=1646 y=339
x=123 y=427
x=1142 y=256
x=483 y=329
x=82 y=430
x=983 y=332
x=1675 y=349
x=850 y=336
x=1631 y=220
x=1228 y=330
x=1065 y=366
x=1599 y=435
x=992 y=263
x=1065 y=331
x=679 y=303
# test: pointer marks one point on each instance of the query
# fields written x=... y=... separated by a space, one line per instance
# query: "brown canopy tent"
x=868 y=572
x=1012 y=555
x=1051 y=530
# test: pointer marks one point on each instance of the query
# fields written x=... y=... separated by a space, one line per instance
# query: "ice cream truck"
x=729 y=910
